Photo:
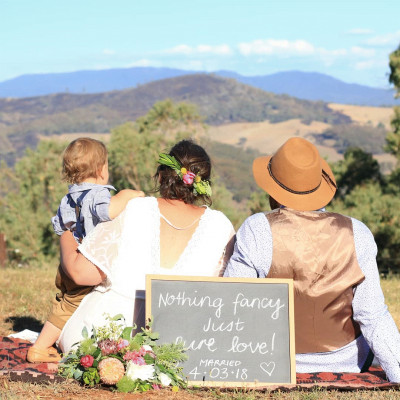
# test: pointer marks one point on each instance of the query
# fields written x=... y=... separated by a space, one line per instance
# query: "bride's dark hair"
x=195 y=159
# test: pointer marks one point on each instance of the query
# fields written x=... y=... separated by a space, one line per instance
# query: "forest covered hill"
x=219 y=100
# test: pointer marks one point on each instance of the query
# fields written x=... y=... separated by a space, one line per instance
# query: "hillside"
x=303 y=85
x=368 y=131
x=219 y=100
x=315 y=86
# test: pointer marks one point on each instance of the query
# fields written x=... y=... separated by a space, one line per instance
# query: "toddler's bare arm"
x=120 y=200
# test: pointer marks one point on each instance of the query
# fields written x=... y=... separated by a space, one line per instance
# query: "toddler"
x=88 y=202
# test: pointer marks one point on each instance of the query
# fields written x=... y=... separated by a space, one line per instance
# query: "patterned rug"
x=13 y=364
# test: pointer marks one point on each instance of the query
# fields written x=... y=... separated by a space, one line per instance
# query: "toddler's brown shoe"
x=36 y=355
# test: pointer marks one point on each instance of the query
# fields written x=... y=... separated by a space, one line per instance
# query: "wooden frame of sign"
x=238 y=332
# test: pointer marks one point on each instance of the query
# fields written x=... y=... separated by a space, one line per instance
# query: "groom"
x=340 y=312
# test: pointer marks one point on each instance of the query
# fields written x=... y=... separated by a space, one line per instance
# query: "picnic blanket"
x=13 y=364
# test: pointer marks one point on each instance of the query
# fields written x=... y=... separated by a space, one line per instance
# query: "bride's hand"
x=75 y=265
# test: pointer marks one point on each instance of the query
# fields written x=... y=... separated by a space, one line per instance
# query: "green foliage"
x=88 y=346
x=133 y=157
x=91 y=377
x=259 y=202
x=223 y=201
x=394 y=65
x=357 y=168
x=233 y=165
x=368 y=138
x=35 y=191
x=134 y=147
x=169 y=355
x=381 y=213
x=393 y=137
x=126 y=385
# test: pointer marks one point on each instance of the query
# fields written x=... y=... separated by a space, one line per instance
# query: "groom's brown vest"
x=316 y=250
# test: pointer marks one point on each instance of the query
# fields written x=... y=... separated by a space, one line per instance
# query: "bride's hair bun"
x=195 y=159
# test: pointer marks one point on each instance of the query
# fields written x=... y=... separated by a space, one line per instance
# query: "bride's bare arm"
x=75 y=265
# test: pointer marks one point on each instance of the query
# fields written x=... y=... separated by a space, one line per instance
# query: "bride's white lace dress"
x=128 y=248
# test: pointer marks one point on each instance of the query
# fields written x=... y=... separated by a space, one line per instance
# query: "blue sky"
x=350 y=40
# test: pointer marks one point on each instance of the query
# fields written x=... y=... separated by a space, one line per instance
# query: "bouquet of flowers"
x=112 y=356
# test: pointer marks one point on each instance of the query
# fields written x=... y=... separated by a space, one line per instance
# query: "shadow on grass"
x=25 y=322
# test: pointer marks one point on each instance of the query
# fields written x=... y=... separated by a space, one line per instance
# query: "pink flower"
x=136 y=356
x=87 y=361
x=155 y=386
x=122 y=344
x=188 y=178
x=108 y=346
x=139 y=361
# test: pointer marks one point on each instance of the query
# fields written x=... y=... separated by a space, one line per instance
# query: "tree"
x=35 y=190
x=134 y=147
x=393 y=138
x=356 y=168
x=381 y=213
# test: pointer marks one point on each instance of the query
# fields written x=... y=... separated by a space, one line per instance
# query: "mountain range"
x=219 y=100
x=303 y=85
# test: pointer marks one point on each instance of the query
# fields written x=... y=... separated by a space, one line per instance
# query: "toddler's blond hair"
x=82 y=159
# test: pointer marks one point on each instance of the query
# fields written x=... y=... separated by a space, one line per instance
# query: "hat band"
x=295 y=191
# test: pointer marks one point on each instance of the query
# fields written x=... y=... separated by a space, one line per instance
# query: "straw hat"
x=296 y=176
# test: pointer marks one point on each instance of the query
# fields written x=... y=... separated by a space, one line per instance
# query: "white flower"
x=142 y=372
x=164 y=379
x=147 y=347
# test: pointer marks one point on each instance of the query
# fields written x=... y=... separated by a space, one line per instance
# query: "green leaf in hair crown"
x=170 y=161
x=200 y=187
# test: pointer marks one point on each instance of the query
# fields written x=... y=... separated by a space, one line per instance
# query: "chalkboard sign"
x=237 y=331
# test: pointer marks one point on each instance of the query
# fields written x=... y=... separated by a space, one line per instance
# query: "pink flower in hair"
x=188 y=178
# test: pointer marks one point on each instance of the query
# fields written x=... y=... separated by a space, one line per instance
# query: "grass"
x=25 y=300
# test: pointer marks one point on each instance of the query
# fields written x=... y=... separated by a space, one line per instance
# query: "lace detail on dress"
x=101 y=247
x=155 y=248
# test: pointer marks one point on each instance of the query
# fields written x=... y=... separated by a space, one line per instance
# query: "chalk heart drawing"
x=268 y=368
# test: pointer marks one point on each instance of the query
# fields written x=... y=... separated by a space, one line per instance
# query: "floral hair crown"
x=189 y=178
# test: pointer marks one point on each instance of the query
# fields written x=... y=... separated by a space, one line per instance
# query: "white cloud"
x=222 y=49
x=362 y=52
x=180 y=49
x=387 y=39
x=274 y=46
x=370 y=64
x=108 y=52
x=360 y=31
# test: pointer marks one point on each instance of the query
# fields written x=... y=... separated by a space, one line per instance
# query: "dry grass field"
x=24 y=306
x=267 y=137
x=365 y=115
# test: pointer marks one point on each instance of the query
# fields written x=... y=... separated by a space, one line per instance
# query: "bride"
x=175 y=234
